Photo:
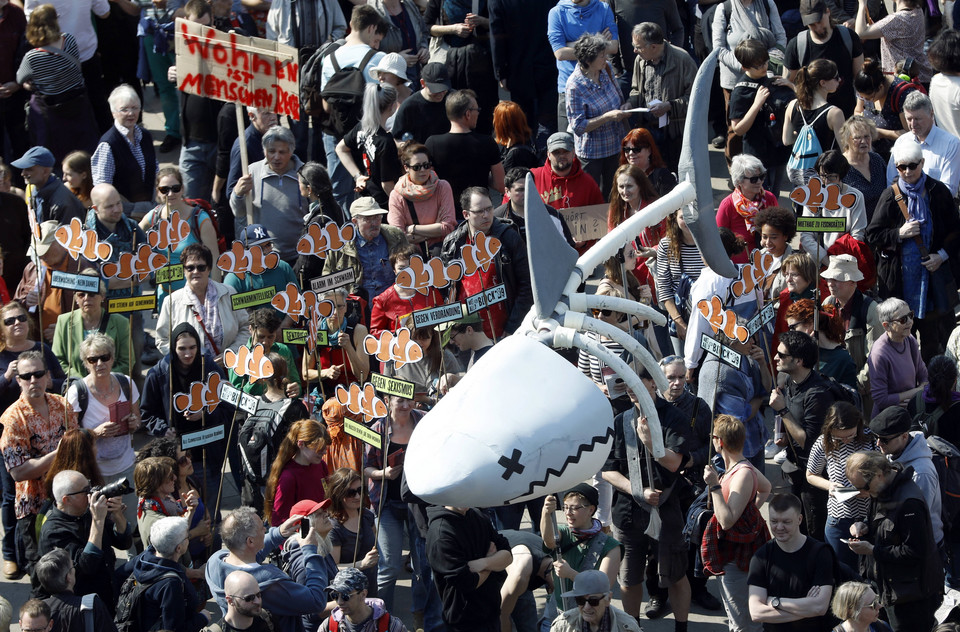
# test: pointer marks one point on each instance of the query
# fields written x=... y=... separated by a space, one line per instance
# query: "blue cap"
x=255 y=235
x=35 y=157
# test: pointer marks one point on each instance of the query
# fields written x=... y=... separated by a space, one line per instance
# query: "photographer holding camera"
x=88 y=524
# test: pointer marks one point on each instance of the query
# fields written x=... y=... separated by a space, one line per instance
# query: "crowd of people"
x=815 y=477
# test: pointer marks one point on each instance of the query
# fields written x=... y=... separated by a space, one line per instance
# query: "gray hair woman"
x=868 y=170
x=897 y=372
x=368 y=151
x=738 y=211
x=593 y=110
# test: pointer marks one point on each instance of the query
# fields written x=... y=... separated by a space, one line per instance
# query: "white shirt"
x=941 y=151
x=945 y=95
x=74 y=17
x=347 y=57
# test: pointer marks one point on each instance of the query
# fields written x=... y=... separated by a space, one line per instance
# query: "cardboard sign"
x=248 y=71
x=722 y=320
x=199 y=396
x=362 y=401
x=358 y=430
x=766 y=314
x=300 y=337
x=168 y=233
x=132 y=304
x=480 y=254
x=80 y=242
x=725 y=353
x=252 y=363
x=392 y=385
x=238 y=399
x=476 y=302
x=399 y=348
x=586 y=222
x=252 y=298
x=170 y=274
x=139 y=264
x=296 y=305
x=77 y=282
x=752 y=274
x=241 y=261
x=320 y=240
x=202 y=437
x=340 y=278
x=815 y=194
x=420 y=276
x=822 y=224
x=437 y=315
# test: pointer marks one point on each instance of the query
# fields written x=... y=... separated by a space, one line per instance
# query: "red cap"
x=307 y=507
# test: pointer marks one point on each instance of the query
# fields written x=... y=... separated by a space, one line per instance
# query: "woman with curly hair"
x=835 y=360
x=513 y=136
x=77 y=451
x=778 y=227
x=298 y=471
x=350 y=517
x=639 y=149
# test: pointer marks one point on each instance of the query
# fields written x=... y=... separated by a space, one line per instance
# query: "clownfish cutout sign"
x=139 y=264
x=420 y=276
x=318 y=241
x=722 y=320
x=79 y=242
x=816 y=195
x=199 y=396
x=753 y=274
x=479 y=255
x=362 y=401
x=252 y=363
x=240 y=261
x=168 y=233
x=400 y=348
x=296 y=305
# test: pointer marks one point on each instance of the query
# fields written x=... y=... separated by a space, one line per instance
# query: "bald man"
x=244 y=604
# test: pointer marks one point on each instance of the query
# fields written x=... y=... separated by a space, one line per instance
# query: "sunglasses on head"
x=907 y=166
x=248 y=598
x=421 y=166
x=19 y=318
x=173 y=188
x=28 y=377
x=106 y=357
x=755 y=179
x=593 y=601
x=200 y=267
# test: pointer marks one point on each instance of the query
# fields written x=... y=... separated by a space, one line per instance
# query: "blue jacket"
x=155 y=400
x=170 y=600
x=294 y=560
x=567 y=22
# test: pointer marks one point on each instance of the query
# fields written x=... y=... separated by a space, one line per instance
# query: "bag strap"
x=62 y=52
x=902 y=203
x=366 y=59
x=86 y=607
x=416 y=220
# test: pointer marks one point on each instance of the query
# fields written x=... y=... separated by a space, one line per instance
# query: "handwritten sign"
x=332 y=281
x=134 y=304
x=202 y=437
x=725 y=353
x=78 y=282
x=392 y=385
x=494 y=295
x=767 y=313
x=586 y=222
x=252 y=298
x=822 y=224
x=248 y=71
x=437 y=315
x=237 y=398
x=358 y=430
x=170 y=274
x=300 y=336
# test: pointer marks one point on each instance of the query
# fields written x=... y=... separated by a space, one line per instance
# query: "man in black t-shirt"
x=244 y=604
x=463 y=157
x=791 y=576
x=424 y=113
x=823 y=40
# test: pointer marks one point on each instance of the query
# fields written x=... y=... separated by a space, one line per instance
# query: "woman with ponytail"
x=880 y=98
x=298 y=471
x=814 y=82
x=368 y=151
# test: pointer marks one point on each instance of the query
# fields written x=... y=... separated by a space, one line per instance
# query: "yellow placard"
x=392 y=385
x=252 y=298
x=133 y=304
x=358 y=430
x=170 y=274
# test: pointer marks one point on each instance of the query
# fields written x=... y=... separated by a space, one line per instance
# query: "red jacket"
x=575 y=189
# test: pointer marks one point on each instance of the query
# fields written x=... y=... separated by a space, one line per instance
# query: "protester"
x=778 y=227
x=834 y=360
x=392 y=308
x=56 y=202
x=354 y=609
x=939 y=148
x=368 y=151
x=90 y=315
x=78 y=176
x=858 y=607
x=901 y=36
x=125 y=156
x=738 y=211
x=897 y=371
x=593 y=609
x=832 y=167
x=944 y=56
x=678 y=265
x=57 y=576
x=421 y=204
x=298 y=471
x=638 y=148
x=353 y=524
x=881 y=102
x=815 y=82
x=867 y=172
x=514 y=137
x=244 y=604
x=345 y=360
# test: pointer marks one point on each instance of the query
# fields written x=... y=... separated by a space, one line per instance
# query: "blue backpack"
x=806 y=148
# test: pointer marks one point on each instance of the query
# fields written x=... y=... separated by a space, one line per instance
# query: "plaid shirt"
x=737 y=544
x=587 y=100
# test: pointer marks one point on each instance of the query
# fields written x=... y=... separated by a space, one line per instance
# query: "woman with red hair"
x=638 y=148
x=513 y=136
x=632 y=192
x=835 y=360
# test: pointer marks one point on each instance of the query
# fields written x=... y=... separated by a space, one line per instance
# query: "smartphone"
x=845 y=541
x=304 y=527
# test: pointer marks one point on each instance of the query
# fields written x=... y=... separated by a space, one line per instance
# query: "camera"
x=118 y=487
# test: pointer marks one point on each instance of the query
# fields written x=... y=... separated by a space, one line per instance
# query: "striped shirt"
x=836 y=473
x=593 y=367
x=52 y=73
x=102 y=163
x=669 y=270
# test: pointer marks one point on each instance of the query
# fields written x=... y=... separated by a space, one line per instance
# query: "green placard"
x=253 y=298
x=358 y=430
x=392 y=385
x=299 y=337
x=822 y=224
x=168 y=274
x=133 y=304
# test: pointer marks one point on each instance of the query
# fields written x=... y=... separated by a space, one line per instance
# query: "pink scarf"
x=418 y=192
x=747 y=209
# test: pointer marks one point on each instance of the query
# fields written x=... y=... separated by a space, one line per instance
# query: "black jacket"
x=518 y=42
x=511 y=262
x=170 y=600
x=66 y=615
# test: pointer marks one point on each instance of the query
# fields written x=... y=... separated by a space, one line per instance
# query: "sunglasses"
x=903 y=319
x=173 y=188
x=633 y=150
x=28 y=377
x=85 y=490
x=593 y=601
x=200 y=267
x=21 y=318
x=907 y=166
x=755 y=179
x=106 y=357
x=886 y=440
x=248 y=598
x=184 y=460
x=356 y=491
x=339 y=596
x=421 y=166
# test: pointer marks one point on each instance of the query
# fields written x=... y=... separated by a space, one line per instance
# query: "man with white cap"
x=859 y=312
x=369 y=252
x=54 y=200
x=591 y=591
x=354 y=610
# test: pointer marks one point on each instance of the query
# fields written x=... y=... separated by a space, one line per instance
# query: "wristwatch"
x=775 y=603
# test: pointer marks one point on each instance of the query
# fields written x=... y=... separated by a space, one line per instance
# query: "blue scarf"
x=916 y=278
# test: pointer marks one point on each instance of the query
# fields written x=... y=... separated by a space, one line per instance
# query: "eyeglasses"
x=248 y=598
x=28 y=377
x=421 y=166
x=886 y=440
x=200 y=267
x=20 y=318
x=173 y=188
x=633 y=150
x=830 y=177
x=907 y=166
x=128 y=110
x=904 y=319
x=339 y=596
x=85 y=490
x=795 y=326
x=593 y=601
x=106 y=357
x=755 y=179
x=43 y=629
x=356 y=491
x=567 y=508
x=482 y=211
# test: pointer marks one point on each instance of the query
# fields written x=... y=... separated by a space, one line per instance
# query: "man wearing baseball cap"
x=277 y=277
x=54 y=200
x=561 y=181
x=424 y=113
x=349 y=590
x=591 y=592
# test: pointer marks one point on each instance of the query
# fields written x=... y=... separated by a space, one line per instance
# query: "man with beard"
x=244 y=604
x=561 y=182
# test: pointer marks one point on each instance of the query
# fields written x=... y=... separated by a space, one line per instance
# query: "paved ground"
x=18 y=592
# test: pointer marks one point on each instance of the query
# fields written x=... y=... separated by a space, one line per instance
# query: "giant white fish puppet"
x=524 y=422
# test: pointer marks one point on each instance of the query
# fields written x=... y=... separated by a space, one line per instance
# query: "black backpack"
x=310 y=76
x=343 y=94
x=83 y=393
x=843 y=393
x=946 y=458
x=130 y=604
x=261 y=434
